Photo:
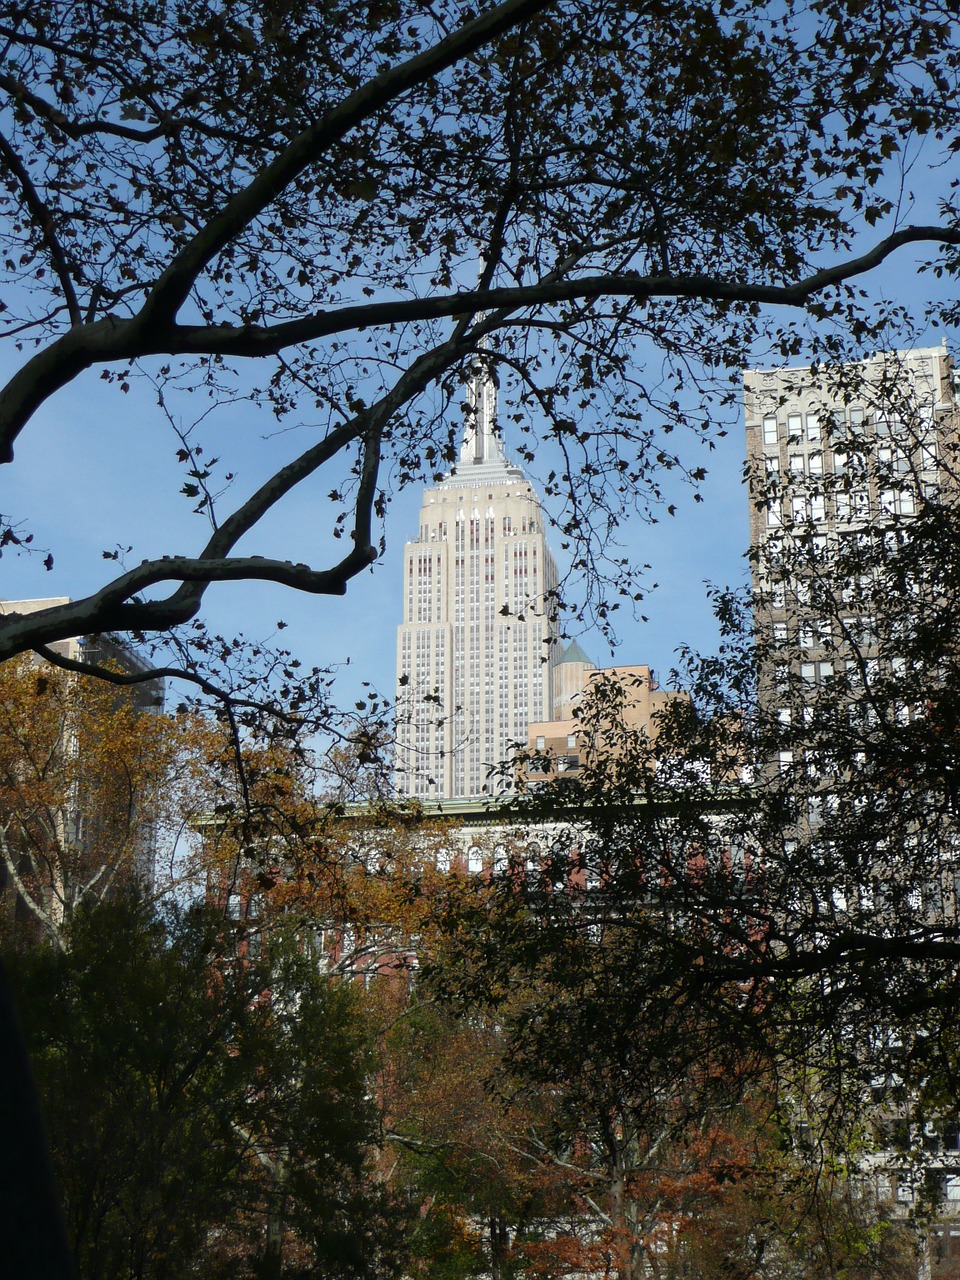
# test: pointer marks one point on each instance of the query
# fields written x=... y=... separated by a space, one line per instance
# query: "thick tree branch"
x=846 y=948
x=115 y=608
x=255 y=340
x=113 y=339
x=173 y=287
x=54 y=367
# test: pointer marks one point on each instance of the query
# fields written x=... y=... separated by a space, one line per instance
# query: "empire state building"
x=474 y=650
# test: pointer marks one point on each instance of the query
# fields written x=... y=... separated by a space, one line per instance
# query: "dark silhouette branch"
x=255 y=340
x=118 y=607
x=43 y=221
x=112 y=339
x=172 y=289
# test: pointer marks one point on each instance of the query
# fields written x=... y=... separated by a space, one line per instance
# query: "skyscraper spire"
x=474 y=650
x=481 y=444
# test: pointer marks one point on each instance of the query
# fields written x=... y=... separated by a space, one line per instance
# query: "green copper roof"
x=573 y=653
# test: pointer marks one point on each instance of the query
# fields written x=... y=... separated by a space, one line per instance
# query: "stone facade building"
x=475 y=649
x=839 y=463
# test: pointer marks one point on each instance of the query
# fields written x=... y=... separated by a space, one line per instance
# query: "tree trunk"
x=33 y=1237
x=273 y=1245
x=499 y=1245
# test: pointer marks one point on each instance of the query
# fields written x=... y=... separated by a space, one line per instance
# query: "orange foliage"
x=92 y=781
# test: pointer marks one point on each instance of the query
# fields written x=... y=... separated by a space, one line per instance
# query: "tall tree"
x=461 y=1145
x=203 y=1119
x=95 y=783
x=651 y=1112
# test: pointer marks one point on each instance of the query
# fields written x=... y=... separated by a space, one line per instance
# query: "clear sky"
x=96 y=469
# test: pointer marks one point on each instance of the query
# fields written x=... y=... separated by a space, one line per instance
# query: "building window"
x=813 y=427
x=770 y=430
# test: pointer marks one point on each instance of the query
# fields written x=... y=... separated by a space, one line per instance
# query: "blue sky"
x=96 y=468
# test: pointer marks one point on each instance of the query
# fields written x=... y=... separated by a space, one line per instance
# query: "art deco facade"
x=474 y=650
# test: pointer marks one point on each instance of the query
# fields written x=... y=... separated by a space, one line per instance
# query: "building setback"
x=475 y=649
x=564 y=745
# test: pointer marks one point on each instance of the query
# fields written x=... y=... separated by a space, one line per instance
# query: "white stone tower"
x=474 y=650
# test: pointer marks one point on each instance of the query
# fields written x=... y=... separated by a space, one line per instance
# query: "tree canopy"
x=96 y=786
x=203 y=1116
x=620 y=203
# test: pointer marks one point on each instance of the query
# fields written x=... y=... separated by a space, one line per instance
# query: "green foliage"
x=206 y=1117
x=717 y=1034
